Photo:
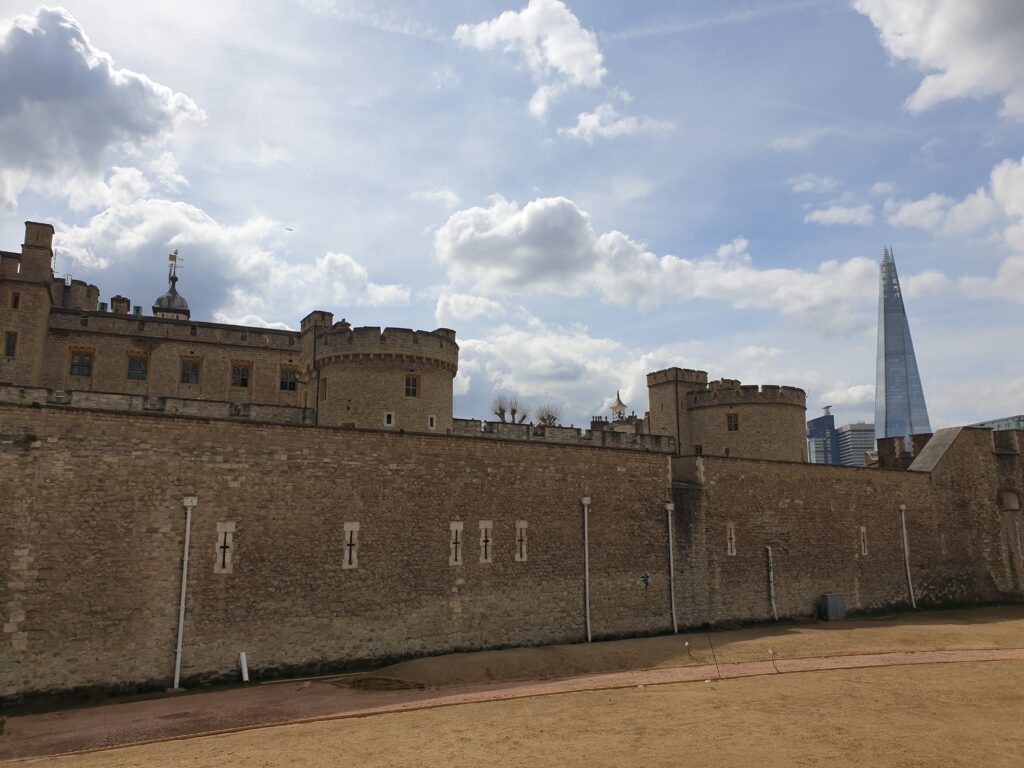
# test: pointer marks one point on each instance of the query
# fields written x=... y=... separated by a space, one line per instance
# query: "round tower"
x=748 y=421
x=391 y=379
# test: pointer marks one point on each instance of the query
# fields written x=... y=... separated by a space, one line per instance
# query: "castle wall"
x=769 y=422
x=962 y=547
x=28 y=321
x=92 y=529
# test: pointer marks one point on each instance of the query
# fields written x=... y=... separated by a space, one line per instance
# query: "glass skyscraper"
x=899 y=399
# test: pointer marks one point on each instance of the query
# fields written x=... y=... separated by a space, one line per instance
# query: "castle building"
x=308 y=497
x=900 y=410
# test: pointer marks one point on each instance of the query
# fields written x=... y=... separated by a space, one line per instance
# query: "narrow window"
x=732 y=422
x=15 y=300
x=486 y=542
x=412 y=385
x=863 y=541
x=730 y=538
x=192 y=330
x=323 y=389
x=942 y=544
x=225 y=547
x=289 y=379
x=189 y=371
x=431 y=422
x=81 y=364
x=389 y=419
x=137 y=368
x=698 y=450
x=520 y=541
x=455 y=543
x=11 y=345
x=351 y=557
x=240 y=376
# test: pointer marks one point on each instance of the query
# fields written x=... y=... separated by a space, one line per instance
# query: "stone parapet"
x=563 y=435
x=344 y=343
x=731 y=392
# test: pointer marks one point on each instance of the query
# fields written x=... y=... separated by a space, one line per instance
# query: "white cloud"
x=852 y=395
x=67 y=109
x=366 y=14
x=929 y=281
x=244 y=269
x=800 y=141
x=454 y=307
x=971 y=48
x=882 y=188
x=124 y=185
x=810 y=182
x=442 y=195
x=628 y=189
x=860 y=216
x=446 y=78
x=550 y=244
x=926 y=213
x=942 y=214
x=606 y=123
x=165 y=169
x=1008 y=282
x=550 y=40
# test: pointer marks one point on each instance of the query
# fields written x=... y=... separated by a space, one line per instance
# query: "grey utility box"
x=832 y=607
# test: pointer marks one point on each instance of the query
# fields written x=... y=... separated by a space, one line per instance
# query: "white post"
x=245 y=667
x=906 y=554
x=189 y=502
x=669 y=508
x=771 y=582
x=585 y=501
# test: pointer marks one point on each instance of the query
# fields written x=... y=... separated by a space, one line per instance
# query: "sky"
x=585 y=191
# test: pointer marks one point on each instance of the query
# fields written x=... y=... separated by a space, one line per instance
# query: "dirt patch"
x=950 y=715
x=961 y=629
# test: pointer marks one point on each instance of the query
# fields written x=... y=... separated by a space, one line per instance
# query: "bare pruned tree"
x=548 y=415
x=518 y=410
x=499 y=407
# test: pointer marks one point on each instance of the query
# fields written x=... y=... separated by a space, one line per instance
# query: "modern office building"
x=1009 y=422
x=900 y=409
x=854 y=441
x=822 y=441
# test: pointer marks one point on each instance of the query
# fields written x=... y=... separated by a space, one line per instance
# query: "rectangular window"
x=81 y=364
x=351 y=557
x=15 y=300
x=732 y=422
x=11 y=344
x=289 y=379
x=730 y=538
x=225 y=547
x=189 y=371
x=863 y=541
x=521 y=541
x=486 y=542
x=240 y=375
x=698 y=450
x=137 y=368
x=455 y=543
x=323 y=389
x=431 y=422
x=412 y=385
x=389 y=419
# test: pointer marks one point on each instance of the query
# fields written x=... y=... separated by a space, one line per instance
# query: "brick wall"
x=92 y=532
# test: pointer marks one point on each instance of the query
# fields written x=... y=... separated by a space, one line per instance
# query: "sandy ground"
x=969 y=714
x=961 y=629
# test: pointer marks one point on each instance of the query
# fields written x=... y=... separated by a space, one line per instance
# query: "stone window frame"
x=322 y=389
x=521 y=541
x=15 y=299
x=698 y=450
x=732 y=422
x=486 y=541
x=412 y=385
x=350 y=547
x=389 y=419
x=431 y=422
x=863 y=541
x=144 y=369
x=456 y=544
x=81 y=359
x=239 y=366
x=224 y=559
x=11 y=344
x=1009 y=500
x=730 y=539
x=288 y=378
x=191 y=360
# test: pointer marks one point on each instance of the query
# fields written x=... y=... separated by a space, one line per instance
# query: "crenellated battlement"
x=730 y=392
x=342 y=342
x=682 y=375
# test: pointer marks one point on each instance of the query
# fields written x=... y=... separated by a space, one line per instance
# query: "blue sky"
x=585 y=191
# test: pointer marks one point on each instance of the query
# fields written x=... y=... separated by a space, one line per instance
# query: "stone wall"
x=92 y=529
x=564 y=435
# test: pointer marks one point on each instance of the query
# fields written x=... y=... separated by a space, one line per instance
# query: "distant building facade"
x=822 y=440
x=854 y=441
x=1009 y=422
x=900 y=410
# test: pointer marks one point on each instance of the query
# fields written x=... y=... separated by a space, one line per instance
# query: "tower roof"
x=171 y=303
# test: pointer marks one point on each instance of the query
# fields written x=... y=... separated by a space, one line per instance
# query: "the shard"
x=899 y=399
